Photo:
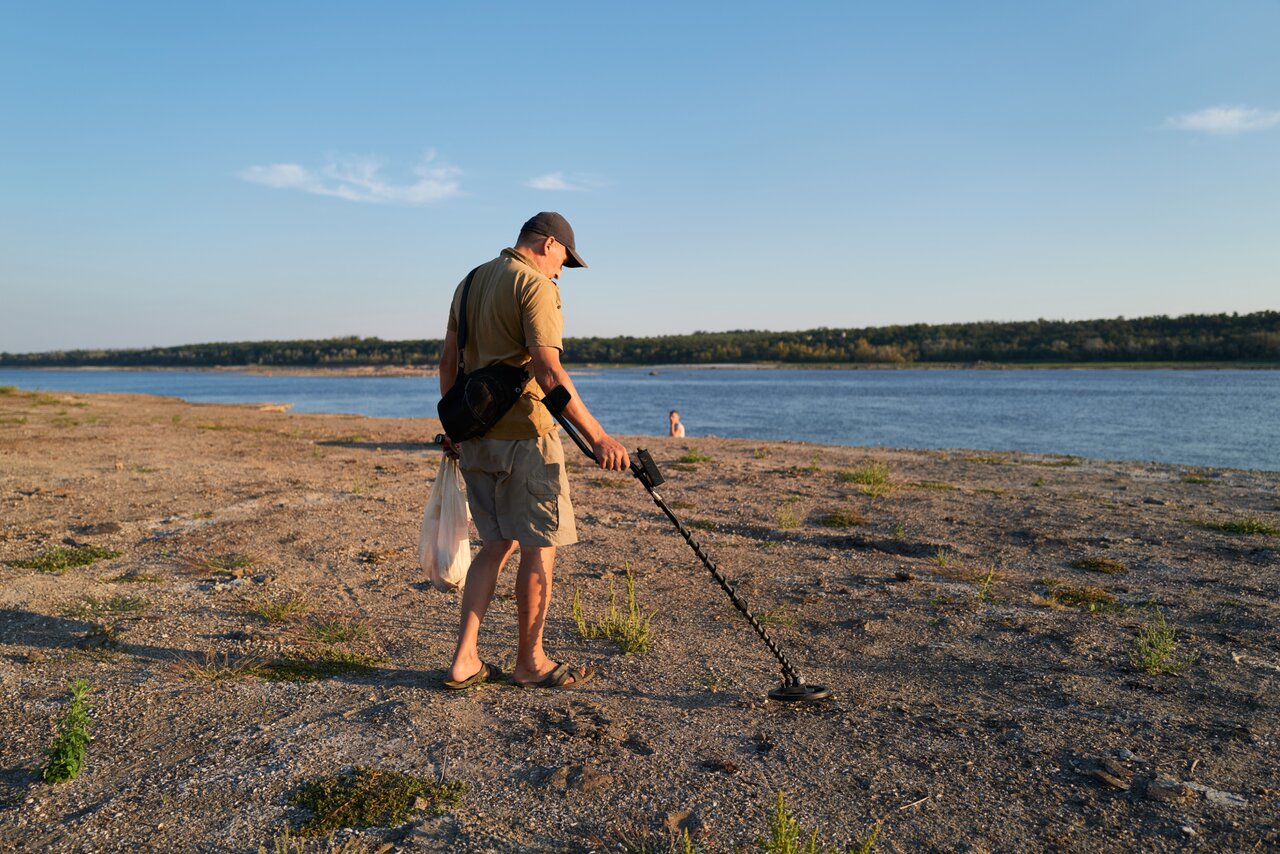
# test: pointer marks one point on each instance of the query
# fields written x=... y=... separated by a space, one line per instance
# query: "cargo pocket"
x=544 y=488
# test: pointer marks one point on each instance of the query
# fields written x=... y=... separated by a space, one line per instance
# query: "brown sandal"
x=563 y=676
x=486 y=673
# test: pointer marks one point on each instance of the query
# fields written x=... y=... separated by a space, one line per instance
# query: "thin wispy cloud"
x=1225 y=120
x=359 y=179
x=576 y=183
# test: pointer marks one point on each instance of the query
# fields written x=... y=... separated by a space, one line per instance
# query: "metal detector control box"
x=648 y=472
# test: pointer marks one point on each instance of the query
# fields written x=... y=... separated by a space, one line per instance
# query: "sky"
x=176 y=173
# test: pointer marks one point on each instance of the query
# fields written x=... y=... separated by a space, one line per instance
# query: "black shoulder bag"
x=477 y=400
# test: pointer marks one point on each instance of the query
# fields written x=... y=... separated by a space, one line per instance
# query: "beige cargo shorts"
x=518 y=490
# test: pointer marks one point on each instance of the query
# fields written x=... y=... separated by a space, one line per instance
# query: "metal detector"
x=645 y=470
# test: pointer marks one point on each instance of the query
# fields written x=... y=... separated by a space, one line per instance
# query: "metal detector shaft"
x=645 y=471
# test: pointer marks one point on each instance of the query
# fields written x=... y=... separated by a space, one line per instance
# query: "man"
x=517 y=486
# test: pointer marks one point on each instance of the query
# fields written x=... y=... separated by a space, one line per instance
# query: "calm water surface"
x=1214 y=418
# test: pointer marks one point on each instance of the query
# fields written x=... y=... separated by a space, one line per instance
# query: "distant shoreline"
x=423 y=371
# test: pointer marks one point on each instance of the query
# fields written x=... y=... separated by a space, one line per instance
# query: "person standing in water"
x=676 y=428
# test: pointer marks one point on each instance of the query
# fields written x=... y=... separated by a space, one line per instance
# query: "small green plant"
x=59 y=559
x=984 y=587
x=329 y=663
x=1100 y=564
x=812 y=467
x=216 y=668
x=134 y=577
x=7 y=390
x=338 y=631
x=66 y=755
x=1152 y=650
x=785 y=836
x=872 y=479
x=1245 y=525
x=676 y=845
x=934 y=485
x=702 y=525
x=1038 y=481
x=775 y=616
x=277 y=610
x=760 y=453
x=1197 y=479
x=1093 y=599
x=286 y=843
x=631 y=632
x=370 y=797
x=942 y=557
x=899 y=531
x=231 y=563
x=787 y=517
x=693 y=455
x=16 y=421
x=841 y=519
x=95 y=609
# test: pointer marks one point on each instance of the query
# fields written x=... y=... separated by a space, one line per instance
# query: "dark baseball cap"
x=551 y=224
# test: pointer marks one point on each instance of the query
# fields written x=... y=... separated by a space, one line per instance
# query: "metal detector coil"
x=645 y=470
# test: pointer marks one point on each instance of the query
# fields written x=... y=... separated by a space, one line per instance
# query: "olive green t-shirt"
x=511 y=307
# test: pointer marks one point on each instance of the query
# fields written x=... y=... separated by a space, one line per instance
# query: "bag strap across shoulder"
x=462 y=320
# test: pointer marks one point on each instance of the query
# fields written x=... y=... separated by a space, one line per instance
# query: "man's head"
x=547 y=238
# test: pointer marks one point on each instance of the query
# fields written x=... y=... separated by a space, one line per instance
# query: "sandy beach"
x=257 y=621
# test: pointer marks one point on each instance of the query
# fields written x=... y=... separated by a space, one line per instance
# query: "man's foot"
x=563 y=676
x=486 y=673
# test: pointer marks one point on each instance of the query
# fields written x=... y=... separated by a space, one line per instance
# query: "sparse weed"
x=899 y=531
x=94 y=609
x=330 y=662
x=338 y=631
x=278 y=610
x=15 y=421
x=785 y=836
x=1197 y=479
x=676 y=845
x=1095 y=600
x=1038 y=482
x=693 y=455
x=66 y=755
x=631 y=632
x=786 y=516
x=872 y=479
x=942 y=557
x=760 y=453
x=216 y=668
x=934 y=485
x=135 y=577
x=286 y=843
x=59 y=559
x=812 y=467
x=7 y=390
x=841 y=519
x=1244 y=525
x=370 y=797
x=607 y=482
x=775 y=616
x=984 y=587
x=1100 y=564
x=232 y=563
x=1152 y=650
x=702 y=525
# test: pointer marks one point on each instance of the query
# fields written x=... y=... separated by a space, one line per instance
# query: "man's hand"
x=450 y=449
x=610 y=454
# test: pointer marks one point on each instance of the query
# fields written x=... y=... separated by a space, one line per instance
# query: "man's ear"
x=546 y=245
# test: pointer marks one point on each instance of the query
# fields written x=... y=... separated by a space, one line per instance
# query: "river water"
x=1227 y=418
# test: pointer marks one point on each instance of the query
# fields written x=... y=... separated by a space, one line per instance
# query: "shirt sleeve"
x=540 y=314
x=452 y=325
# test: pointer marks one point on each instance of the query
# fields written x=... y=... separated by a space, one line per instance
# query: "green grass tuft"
x=1245 y=525
x=95 y=609
x=278 y=610
x=1152 y=650
x=66 y=755
x=59 y=559
x=1100 y=564
x=841 y=519
x=370 y=797
x=328 y=663
x=631 y=632
x=1095 y=600
x=785 y=836
x=693 y=455
x=338 y=631
x=872 y=479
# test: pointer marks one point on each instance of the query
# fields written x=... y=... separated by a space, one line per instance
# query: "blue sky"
x=179 y=172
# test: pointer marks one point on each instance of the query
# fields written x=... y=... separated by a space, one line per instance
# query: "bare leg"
x=482 y=580
x=533 y=598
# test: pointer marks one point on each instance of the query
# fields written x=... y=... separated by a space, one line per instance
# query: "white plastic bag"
x=444 y=544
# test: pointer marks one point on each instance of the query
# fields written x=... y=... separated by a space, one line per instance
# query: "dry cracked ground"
x=257 y=621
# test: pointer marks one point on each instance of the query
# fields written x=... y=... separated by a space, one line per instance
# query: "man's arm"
x=548 y=372
x=449 y=363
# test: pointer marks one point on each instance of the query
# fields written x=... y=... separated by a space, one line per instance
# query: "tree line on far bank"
x=1190 y=338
